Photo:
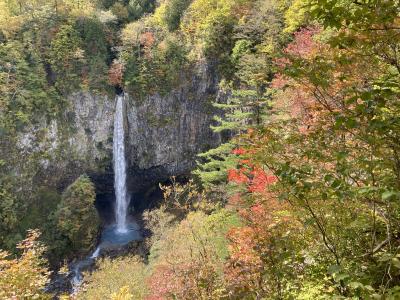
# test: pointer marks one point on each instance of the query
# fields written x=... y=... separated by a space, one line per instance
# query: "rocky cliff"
x=164 y=133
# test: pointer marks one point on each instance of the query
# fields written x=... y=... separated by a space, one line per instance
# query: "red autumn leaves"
x=254 y=177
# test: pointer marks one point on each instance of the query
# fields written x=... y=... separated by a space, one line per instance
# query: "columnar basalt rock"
x=167 y=132
x=163 y=136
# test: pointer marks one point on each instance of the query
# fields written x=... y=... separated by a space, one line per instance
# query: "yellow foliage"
x=295 y=15
x=202 y=13
x=123 y=294
x=26 y=276
x=9 y=23
x=130 y=35
x=86 y=8
x=159 y=13
x=120 y=279
x=14 y=13
x=204 y=17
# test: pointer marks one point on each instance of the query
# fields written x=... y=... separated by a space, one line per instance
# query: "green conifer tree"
x=244 y=109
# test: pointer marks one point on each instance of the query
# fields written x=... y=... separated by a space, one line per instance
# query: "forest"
x=271 y=137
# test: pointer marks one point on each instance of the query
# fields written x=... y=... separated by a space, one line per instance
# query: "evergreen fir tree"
x=244 y=109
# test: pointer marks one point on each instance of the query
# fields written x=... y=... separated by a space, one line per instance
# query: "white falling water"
x=121 y=196
x=96 y=253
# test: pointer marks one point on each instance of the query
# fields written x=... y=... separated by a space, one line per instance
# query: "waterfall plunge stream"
x=121 y=196
x=123 y=231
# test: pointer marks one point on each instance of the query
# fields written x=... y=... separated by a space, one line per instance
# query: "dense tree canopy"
x=300 y=201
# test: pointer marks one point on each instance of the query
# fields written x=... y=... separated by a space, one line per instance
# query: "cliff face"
x=163 y=136
x=166 y=132
x=91 y=118
x=78 y=142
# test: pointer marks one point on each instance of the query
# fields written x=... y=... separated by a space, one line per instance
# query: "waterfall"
x=122 y=200
x=96 y=253
x=121 y=233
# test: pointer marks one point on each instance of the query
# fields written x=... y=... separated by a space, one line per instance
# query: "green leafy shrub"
x=96 y=50
x=67 y=58
x=76 y=217
x=170 y=13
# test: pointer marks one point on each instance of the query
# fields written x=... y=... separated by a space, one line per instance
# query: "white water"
x=96 y=253
x=122 y=200
x=77 y=277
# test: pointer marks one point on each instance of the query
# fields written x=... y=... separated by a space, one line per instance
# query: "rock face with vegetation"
x=91 y=118
x=166 y=132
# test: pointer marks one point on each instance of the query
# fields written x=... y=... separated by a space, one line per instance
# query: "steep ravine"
x=163 y=136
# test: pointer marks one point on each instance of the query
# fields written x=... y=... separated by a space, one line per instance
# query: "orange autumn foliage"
x=115 y=74
x=313 y=90
x=254 y=246
x=193 y=280
x=147 y=39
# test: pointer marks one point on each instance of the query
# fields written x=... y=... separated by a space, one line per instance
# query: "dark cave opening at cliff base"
x=150 y=196
x=118 y=90
x=139 y=202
